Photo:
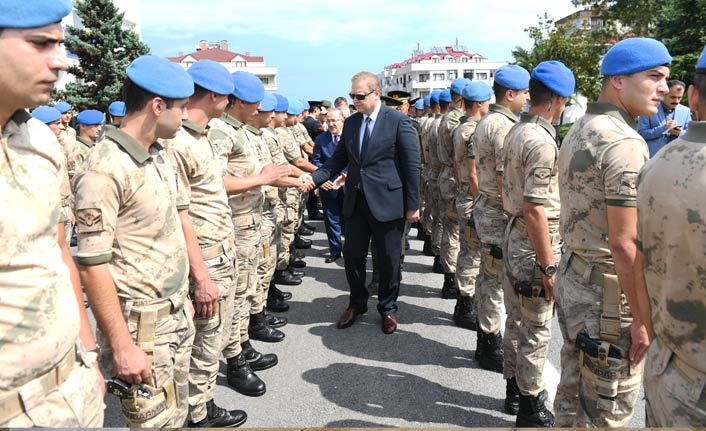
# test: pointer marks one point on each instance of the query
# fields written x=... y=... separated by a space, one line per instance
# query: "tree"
x=104 y=49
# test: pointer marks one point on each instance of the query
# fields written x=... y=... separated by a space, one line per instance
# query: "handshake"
x=307 y=183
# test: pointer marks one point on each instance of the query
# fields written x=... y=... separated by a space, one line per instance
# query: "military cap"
x=46 y=114
x=634 y=55
x=90 y=117
x=324 y=110
x=282 y=103
x=212 y=76
x=305 y=105
x=512 y=77
x=435 y=96
x=477 y=91
x=556 y=77
x=458 y=84
x=314 y=103
x=295 y=106
x=269 y=103
x=445 y=96
x=413 y=100
x=392 y=103
x=117 y=109
x=35 y=13
x=427 y=100
x=63 y=107
x=161 y=77
x=248 y=87
x=701 y=64
x=399 y=95
x=326 y=104
x=419 y=104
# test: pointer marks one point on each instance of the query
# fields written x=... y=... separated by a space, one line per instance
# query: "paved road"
x=421 y=376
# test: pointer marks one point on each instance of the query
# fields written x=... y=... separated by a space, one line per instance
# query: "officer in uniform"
x=476 y=100
x=532 y=244
x=672 y=240
x=511 y=94
x=117 y=113
x=448 y=188
x=89 y=122
x=599 y=161
x=403 y=98
x=210 y=243
x=131 y=249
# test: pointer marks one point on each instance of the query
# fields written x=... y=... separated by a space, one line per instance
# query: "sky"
x=317 y=46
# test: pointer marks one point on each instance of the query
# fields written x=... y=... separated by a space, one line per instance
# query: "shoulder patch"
x=89 y=220
x=628 y=183
x=542 y=176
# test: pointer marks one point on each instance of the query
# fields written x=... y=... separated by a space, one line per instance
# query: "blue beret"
x=427 y=100
x=248 y=87
x=161 y=77
x=634 y=55
x=556 y=77
x=63 y=107
x=445 y=96
x=701 y=64
x=46 y=114
x=35 y=13
x=419 y=104
x=282 y=103
x=90 y=117
x=269 y=103
x=212 y=76
x=512 y=77
x=306 y=105
x=435 y=96
x=117 y=109
x=477 y=91
x=459 y=84
x=295 y=106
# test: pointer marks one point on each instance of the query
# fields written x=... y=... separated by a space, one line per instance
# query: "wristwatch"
x=548 y=270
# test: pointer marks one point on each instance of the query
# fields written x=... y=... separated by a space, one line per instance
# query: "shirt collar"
x=546 y=125
x=696 y=132
x=231 y=120
x=252 y=129
x=18 y=118
x=602 y=108
x=195 y=128
x=503 y=110
x=375 y=113
x=129 y=144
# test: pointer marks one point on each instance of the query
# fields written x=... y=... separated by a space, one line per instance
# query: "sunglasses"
x=360 y=96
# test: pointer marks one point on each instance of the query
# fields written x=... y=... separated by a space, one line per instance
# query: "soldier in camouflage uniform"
x=47 y=377
x=599 y=161
x=448 y=187
x=66 y=114
x=89 y=122
x=208 y=231
x=131 y=246
x=436 y=166
x=532 y=244
x=476 y=98
x=672 y=240
x=425 y=209
x=511 y=94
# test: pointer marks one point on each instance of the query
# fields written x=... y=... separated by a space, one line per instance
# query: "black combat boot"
x=294 y=252
x=284 y=296
x=449 y=289
x=421 y=235
x=257 y=360
x=492 y=355
x=465 y=313
x=217 y=417
x=479 y=343
x=533 y=413
x=275 y=321
x=426 y=250
x=275 y=304
x=261 y=331
x=286 y=278
x=437 y=268
x=512 y=396
x=242 y=378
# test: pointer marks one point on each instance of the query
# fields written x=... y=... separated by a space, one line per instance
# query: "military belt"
x=579 y=266
x=14 y=402
x=247 y=220
x=213 y=251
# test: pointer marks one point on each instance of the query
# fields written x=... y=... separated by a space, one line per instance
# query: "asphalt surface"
x=424 y=375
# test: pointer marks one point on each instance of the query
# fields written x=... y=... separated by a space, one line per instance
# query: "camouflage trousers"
x=449 y=246
x=289 y=227
x=434 y=203
x=427 y=218
x=211 y=334
x=674 y=391
x=490 y=224
x=525 y=342
x=247 y=251
x=468 y=262
x=579 y=308
x=76 y=403
x=270 y=234
x=65 y=214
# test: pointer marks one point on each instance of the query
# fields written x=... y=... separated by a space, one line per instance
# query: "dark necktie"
x=335 y=140
x=366 y=138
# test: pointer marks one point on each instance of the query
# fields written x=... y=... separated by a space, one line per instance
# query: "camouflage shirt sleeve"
x=540 y=164
x=621 y=164
x=184 y=167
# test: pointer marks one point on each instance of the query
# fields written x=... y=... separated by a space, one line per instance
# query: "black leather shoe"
x=303 y=231
x=332 y=258
x=296 y=262
x=257 y=360
x=286 y=278
x=294 y=253
x=275 y=321
x=301 y=243
x=242 y=378
x=311 y=227
x=317 y=216
x=437 y=268
x=276 y=305
x=261 y=331
x=512 y=397
x=284 y=296
x=217 y=417
x=295 y=272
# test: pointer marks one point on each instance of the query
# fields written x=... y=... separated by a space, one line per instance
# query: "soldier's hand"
x=205 y=297
x=307 y=183
x=271 y=173
x=640 y=342
x=132 y=364
x=548 y=287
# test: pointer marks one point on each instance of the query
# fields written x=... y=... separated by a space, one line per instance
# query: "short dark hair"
x=199 y=93
x=444 y=105
x=136 y=97
x=540 y=94
x=499 y=91
x=676 y=83
x=700 y=84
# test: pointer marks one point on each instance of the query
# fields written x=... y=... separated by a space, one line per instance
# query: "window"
x=438 y=77
x=468 y=74
x=240 y=64
x=449 y=59
x=423 y=77
x=482 y=75
x=464 y=59
x=265 y=80
x=452 y=74
x=435 y=59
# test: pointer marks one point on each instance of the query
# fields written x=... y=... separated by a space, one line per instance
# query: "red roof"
x=428 y=55
x=217 y=55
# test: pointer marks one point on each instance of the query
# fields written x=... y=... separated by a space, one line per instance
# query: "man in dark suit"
x=330 y=192
x=379 y=147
